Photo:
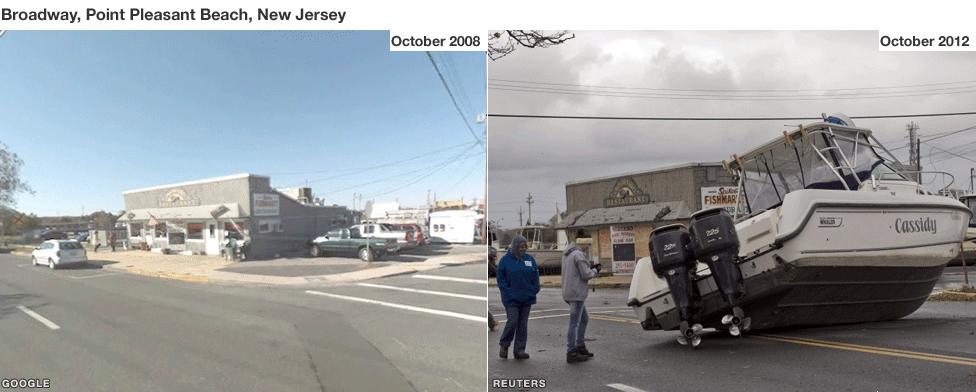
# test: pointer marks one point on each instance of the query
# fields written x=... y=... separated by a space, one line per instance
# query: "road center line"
x=625 y=388
x=404 y=307
x=48 y=323
x=446 y=294
x=448 y=278
x=871 y=350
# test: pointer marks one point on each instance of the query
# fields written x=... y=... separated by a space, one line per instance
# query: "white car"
x=56 y=253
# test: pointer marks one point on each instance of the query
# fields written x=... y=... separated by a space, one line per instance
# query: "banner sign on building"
x=266 y=204
x=624 y=256
x=719 y=196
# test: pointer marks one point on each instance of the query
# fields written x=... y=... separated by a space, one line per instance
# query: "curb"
x=165 y=275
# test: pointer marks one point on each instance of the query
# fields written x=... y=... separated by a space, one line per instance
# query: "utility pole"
x=972 y=174
x=520 y=216
x=914 y=158
x=529 y=201
x=428 y=199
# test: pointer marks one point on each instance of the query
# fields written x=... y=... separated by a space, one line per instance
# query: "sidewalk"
x=600 y=282
x=203 y=269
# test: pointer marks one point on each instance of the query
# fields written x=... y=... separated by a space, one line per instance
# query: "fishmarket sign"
x=625 y=192
x=719 y=197
x=177 y=197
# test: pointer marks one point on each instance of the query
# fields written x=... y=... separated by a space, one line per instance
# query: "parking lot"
x=933 y=349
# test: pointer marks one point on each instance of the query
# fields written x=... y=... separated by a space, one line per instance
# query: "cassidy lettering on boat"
x=917 y=225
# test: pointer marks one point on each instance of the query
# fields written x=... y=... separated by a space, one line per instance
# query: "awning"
x=644 y=213
x=204 y=212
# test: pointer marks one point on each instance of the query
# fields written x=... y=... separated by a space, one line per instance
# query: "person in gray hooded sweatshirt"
x=576 y=271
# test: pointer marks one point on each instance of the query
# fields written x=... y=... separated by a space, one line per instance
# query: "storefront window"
x=135 y=229
x=194 y=231
x=160 y=230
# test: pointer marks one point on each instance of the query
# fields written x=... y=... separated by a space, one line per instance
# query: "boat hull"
x=796 y=297
x=823 y=258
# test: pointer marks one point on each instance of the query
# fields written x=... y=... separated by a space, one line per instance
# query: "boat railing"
x=907 y=174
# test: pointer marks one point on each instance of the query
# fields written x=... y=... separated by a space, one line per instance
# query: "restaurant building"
x=619 y=212
x=195 y=217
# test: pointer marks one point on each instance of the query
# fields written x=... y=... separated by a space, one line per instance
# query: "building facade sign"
x=177 y=197
x=719 y=196
x=624 y=255
x=625 y=192
x=266 y=204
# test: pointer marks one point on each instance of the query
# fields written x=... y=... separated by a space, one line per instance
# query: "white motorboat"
x=826 y=232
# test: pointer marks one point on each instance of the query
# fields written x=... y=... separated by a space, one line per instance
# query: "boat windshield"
x=808 y=162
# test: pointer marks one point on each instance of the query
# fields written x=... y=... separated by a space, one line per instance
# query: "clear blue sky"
x=93 y=114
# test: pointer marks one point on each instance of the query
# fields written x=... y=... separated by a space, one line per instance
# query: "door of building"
x=211 y=235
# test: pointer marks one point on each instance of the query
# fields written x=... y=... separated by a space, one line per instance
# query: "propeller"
x=690 y=334
x=737 y=321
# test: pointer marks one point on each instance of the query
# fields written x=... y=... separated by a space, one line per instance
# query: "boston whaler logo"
x=831 y=221
x=916 y=225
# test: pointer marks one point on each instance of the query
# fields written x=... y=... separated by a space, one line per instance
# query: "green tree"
x=10 y=182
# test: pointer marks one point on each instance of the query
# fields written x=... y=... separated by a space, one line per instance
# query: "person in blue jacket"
x=518 y=282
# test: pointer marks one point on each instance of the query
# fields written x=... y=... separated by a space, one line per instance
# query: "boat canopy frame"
x=820 y=156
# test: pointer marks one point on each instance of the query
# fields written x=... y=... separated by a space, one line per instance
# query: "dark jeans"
x=516 y=327
x=577 y=325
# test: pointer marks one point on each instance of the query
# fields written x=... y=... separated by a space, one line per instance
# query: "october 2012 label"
x=925 y=41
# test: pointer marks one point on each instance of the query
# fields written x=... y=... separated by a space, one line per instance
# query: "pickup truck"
x=404 y=238
x=351 y=242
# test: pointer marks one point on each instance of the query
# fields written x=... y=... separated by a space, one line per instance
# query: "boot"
x=503 y=352
x=583 y=351
x=574 y=356
x=522 y=355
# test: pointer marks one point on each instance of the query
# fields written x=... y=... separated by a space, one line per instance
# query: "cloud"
x=541 y=155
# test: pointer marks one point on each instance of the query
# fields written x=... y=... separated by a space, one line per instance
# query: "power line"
x=352 y=171
x=727 y=90
x=423 y=176
x=438 y=164
x=503 y=115
x=705 y=97
x=453 y=100
x=952 y=153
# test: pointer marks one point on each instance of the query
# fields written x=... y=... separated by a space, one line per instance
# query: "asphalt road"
x=87 y=329
x=937 y=343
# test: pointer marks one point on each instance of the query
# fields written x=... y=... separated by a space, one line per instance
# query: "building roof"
x=202 y=181
x=651 y=212
x=660 y=169
x=184 y=213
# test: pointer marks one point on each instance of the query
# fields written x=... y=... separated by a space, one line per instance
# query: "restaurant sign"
x=177 y=197
x=625 y=192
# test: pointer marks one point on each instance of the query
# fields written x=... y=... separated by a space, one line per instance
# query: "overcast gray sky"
x=541 y=155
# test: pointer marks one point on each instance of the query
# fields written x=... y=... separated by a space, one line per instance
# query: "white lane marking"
x=404 y=307
x=625 y=388
x=96 y=275
x=38 y=317
x=448 y=278
x=383 y=286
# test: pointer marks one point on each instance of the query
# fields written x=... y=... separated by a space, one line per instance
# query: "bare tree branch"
x=503 y=43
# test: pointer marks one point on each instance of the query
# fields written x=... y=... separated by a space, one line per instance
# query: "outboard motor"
x=715 y=242
x=672 y=259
